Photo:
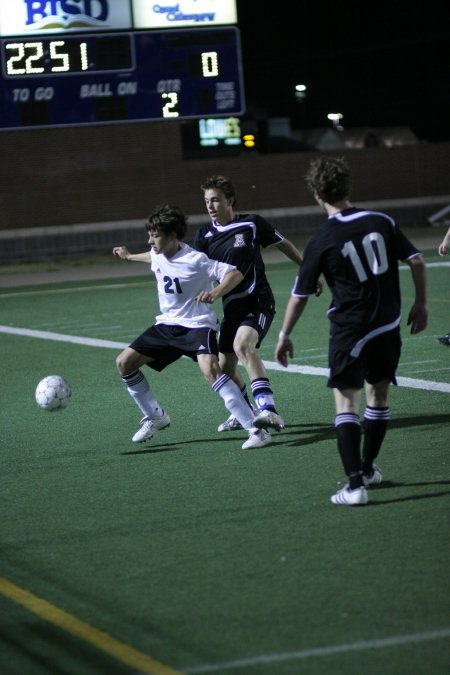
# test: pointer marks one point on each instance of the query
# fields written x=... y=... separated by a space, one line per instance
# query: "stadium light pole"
x=336 y=119
x=300 y=92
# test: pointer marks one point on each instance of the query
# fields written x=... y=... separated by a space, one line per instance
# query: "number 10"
x=377 y=265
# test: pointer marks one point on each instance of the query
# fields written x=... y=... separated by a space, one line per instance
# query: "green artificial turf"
x=201 y=555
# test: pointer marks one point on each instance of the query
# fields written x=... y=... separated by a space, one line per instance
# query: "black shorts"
x=377 y=361
x=257 y=313
x=165 y=344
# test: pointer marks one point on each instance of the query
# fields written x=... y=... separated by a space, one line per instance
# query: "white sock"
x=140 y=392
x=234 y=401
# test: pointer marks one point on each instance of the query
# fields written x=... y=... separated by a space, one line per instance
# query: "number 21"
x=169 y=284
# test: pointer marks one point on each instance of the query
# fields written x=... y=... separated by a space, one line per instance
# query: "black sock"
x=375 y=425
x=355 y=480
x=348 y=434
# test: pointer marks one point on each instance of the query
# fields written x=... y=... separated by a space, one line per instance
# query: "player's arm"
x=123 y=253
x=293 y=312
x=231 y=279
x=292 y=252
x=418 y=314
x=444 y=246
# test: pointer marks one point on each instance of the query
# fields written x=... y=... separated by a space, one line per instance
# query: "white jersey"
x=179 y=279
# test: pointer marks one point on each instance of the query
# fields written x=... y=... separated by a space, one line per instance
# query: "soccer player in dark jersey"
x=357 y=251
x=249 y=309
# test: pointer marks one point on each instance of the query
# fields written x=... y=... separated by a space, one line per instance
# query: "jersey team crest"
x=239 y=241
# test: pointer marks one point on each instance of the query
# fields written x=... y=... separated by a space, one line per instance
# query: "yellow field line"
x=98 y=638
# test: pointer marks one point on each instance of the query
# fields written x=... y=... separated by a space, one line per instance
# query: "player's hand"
x=121 y=251
x=319 y=288
x=284 y=349
x=205 y=296
x=418 y=318
x=442 y=250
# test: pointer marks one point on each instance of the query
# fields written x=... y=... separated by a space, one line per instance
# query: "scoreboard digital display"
x=71 y=79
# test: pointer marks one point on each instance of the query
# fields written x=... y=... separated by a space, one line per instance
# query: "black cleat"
x=445 y=340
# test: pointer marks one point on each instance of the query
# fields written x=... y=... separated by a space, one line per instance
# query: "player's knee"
x=244 y=350
x=211 y=374
x=121 y=363
x=209 y=377
x=377 y=395
x=210 y=369
x=239 y=346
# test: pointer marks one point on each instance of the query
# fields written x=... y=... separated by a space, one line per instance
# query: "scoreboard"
x=70 y=79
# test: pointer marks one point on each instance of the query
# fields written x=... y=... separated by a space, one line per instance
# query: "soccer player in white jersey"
x=187 y=326
x=357 y=251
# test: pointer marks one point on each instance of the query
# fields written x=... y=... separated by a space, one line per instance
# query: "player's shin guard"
x=263 y=394
x=234 y=401
x=140 y=392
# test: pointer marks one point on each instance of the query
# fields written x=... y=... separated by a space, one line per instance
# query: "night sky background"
x=377 y=64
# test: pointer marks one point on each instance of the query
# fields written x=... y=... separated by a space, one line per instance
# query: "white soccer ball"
x=53 y=393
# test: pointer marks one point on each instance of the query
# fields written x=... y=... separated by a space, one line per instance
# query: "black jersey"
x=357 y=252
x=239 y=243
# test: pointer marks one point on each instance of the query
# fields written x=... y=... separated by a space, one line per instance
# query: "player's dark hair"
x=220 y=183
x=329 y=178
x=167 y=219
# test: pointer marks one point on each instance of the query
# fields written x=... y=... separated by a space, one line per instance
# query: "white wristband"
x=283 y=336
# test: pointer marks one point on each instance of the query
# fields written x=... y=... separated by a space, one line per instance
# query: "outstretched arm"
x=290 y=251
x=123 y=253
x=418 y=314
x=285 y=346
x=230 y=281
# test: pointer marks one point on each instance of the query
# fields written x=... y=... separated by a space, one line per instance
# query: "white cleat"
x=161 y=422
x=231 y=424
x=257 y=438
x=375 y=478
x=267 y=418
x=349 y=497
x=148 y=427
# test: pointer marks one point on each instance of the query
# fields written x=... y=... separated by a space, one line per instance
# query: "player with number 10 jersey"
x=360 y=264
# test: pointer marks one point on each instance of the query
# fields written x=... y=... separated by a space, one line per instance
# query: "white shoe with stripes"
x=349 y=497
x=149 y=425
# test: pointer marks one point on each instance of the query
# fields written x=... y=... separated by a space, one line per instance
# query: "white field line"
x=364 y=645
x=59 y=337
x=75 y=289
x=428 y=385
